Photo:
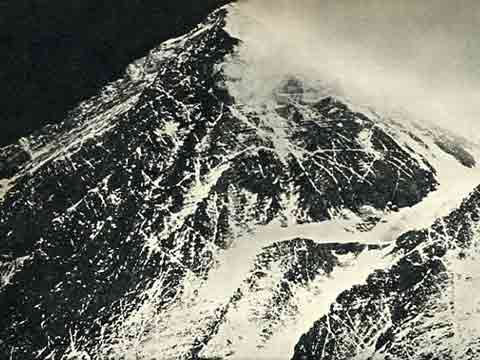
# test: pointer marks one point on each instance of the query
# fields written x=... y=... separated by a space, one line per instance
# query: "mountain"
x=422 y=306
x=57 y=53
x=178 y=215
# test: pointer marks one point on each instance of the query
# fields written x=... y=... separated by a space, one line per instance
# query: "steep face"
x=283 y=290
x=423 y=307
x=168 y=218
x=80 y=213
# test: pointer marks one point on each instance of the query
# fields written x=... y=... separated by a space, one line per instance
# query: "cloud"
x=420 y=58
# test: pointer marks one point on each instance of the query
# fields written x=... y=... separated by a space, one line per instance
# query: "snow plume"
x=413 y=58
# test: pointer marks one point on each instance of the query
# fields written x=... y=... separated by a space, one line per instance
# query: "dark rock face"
x=450 y=146
x=164 y=172
x=81 y=217
x=417 y=308
x=11 y=160
x=278 y=272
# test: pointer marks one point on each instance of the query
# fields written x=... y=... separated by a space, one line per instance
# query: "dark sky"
x=54 y=53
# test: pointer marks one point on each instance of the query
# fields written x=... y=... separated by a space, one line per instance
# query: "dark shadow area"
x=55 y=53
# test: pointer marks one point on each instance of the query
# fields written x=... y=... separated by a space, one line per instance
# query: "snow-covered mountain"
x=180 y=214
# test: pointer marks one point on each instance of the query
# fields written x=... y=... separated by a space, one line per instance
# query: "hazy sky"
x=415 y=55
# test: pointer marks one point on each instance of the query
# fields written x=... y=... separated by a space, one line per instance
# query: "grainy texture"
x=188 y=211
x=57 y=53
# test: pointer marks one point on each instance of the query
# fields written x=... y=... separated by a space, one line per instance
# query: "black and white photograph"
x=239 y=180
